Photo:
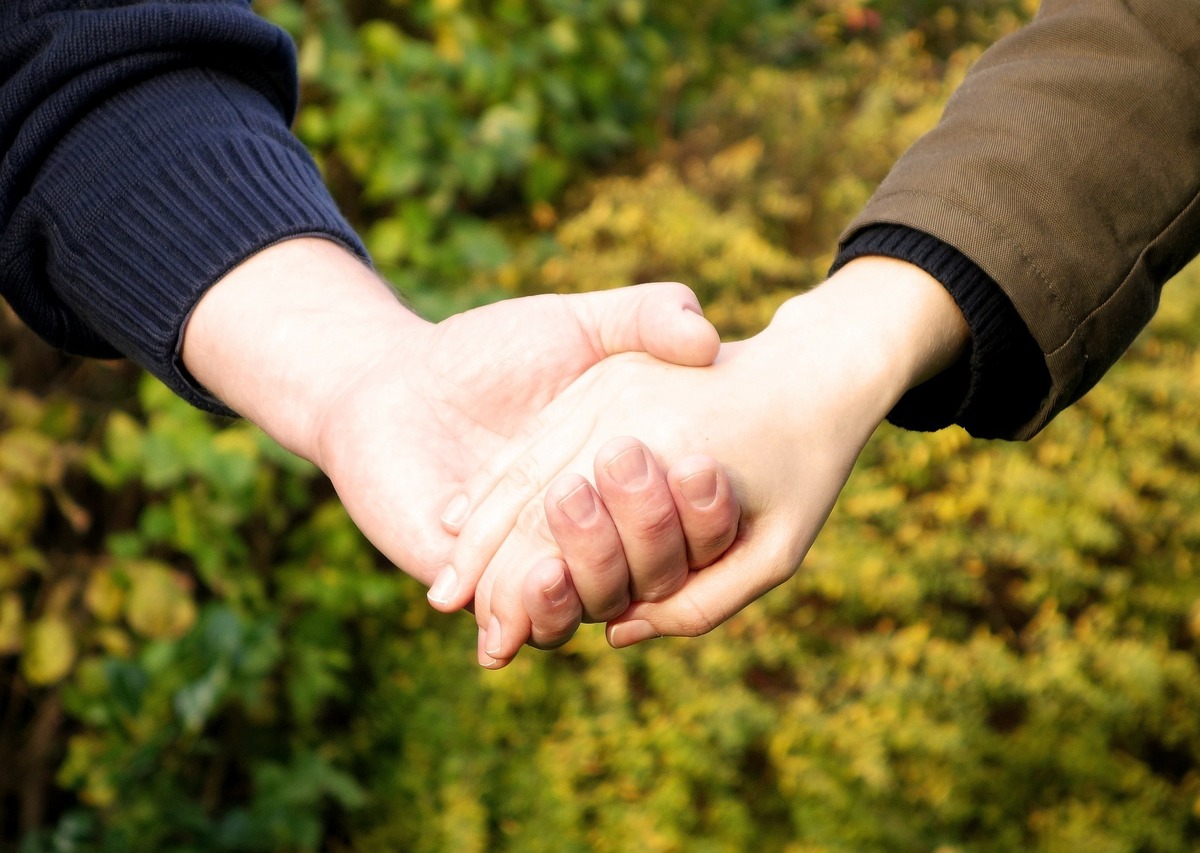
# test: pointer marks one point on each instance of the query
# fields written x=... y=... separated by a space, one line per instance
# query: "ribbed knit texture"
x=1001 y=380
x=147 y=154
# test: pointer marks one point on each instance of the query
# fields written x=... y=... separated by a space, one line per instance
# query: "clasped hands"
x=492 y=456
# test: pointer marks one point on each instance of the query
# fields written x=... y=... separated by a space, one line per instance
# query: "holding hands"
x=787 y=413
x=312 y=346
x=466 y=451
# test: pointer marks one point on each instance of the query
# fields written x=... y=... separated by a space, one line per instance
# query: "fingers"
x=526 y=598
x=707 y=506
x=663 y=319
x=545 y=613
x=636 y=543
x=636 y=550
x=491 y=516
x=631 y=544
x=590 y=545
x=638 y=537
x=507 y=627
x=520 y=600
x=549 y=598
x=752 y=567
x=639 y=500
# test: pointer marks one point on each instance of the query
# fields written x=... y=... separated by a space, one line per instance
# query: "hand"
x=636 y=540
x=399 y=412
x=659 y=526
x=787 y=413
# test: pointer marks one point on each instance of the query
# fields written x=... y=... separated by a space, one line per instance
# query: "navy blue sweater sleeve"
x=1001 y=380
x=144 y=152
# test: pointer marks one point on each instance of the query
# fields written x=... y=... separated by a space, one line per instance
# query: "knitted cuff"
x=1002 y=377
x=157 y=194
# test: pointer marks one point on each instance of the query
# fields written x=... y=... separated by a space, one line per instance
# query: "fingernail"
x=556 y=593
x=485 y=660
x=579 y=505
x=455 y=512
x=700 y=489
x=491 y=643
x=624 y=634
x=444 y=587
x=630 y=468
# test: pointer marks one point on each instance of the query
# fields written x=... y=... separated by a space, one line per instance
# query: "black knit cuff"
x=158 y=193
x=1001 y=379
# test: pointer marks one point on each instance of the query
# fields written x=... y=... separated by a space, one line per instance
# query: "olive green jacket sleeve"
x=1067 y=167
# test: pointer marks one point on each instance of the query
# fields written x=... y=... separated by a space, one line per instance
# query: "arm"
x=113 y=223
x=1066 y=171
x=147 y=156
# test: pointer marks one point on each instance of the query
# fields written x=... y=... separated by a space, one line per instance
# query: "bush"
x=992 y=646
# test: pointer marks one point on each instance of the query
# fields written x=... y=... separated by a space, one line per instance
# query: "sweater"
x=145 y=153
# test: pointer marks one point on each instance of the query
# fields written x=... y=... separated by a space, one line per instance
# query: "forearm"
x=147 y=153
x=281 y=337
x=1000 y=381
x=1065 y=168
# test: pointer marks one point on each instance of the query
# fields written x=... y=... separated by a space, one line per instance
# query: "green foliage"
x=431 y=116
x=446 y=127
x=745 y=204
x=992 y=646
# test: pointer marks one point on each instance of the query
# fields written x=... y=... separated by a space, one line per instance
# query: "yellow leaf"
x=49 y=651
x=114 y=641
x=104 y=596
x=158 y=606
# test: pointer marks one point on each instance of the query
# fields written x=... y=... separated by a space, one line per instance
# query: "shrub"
x=992 y=647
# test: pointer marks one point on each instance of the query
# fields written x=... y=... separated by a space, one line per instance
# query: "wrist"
x=284 y=335
x=876 y=329
x=889 y=321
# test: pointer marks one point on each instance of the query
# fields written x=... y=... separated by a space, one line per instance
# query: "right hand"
x=787 y=413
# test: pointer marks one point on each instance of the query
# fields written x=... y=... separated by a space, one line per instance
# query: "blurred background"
x=991 y=647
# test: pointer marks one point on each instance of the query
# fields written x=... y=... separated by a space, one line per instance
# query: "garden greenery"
x=991 y=647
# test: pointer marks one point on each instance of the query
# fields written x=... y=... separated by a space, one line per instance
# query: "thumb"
x=663 y=319
x=709 y=597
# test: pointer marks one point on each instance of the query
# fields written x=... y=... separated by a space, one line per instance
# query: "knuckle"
x=553 y=637
x=532 y=522
x=696 y=620
x=704 y=549
x=550 y=629
x=609 y=609
x=655 y=521
x=606 y=563
x=662 y=589
x=605 y=592
x=522 y=479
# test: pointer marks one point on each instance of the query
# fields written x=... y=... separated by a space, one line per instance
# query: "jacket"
x=1066 y=168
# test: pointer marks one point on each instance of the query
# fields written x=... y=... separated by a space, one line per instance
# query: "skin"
x=787 y=412
x=312 y=346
